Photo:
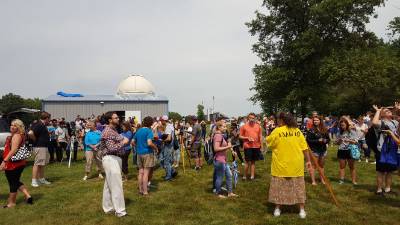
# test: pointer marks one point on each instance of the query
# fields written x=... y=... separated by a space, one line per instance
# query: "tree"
x=11 y=102
x=394 y=27
x=200 y=112
x=293 y=40
x=174 y=116
x=360 y=78
x=34 y=103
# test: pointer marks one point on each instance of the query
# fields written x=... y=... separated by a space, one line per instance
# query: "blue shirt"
x=52 y=131
x=128 y=134
x=141 y=137
x=92 y=138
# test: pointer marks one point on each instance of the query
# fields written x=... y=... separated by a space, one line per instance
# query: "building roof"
x=108 y=98
x=135 y=84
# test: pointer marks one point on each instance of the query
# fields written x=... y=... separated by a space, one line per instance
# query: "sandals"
x=29 y=201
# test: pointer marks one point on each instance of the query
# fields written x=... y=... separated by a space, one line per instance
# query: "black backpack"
x=372 y=139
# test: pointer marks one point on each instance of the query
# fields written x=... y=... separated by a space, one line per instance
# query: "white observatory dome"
x=135 y=84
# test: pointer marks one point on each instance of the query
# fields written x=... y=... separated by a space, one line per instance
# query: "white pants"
x=113 y=193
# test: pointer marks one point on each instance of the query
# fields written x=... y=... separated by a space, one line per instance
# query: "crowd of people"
x=110 y=143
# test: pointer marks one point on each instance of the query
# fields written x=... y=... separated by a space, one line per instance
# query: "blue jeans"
x=166 y=161
x=177 y=155
x=221 y=170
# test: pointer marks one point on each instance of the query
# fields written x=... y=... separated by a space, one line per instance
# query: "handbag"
x=354 y=151
x=22 y=153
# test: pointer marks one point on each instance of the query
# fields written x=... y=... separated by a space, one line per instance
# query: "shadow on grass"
x=368 y=187
x=383 y=200
x=36 y=197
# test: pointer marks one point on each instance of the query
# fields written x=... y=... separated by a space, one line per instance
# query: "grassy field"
x=188 y=200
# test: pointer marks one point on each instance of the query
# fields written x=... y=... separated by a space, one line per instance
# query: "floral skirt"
x=287 y=190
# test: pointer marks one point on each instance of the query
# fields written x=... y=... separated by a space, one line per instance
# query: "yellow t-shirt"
x=287 y=146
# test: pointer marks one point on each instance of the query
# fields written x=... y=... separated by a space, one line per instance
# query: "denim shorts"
x=320 y=154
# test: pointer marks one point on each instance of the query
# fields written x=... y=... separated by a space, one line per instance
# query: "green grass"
x=188 y=200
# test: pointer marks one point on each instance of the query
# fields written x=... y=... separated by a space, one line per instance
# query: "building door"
x=137 y=115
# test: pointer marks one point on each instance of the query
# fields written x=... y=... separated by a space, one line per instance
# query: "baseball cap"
x=164 y=118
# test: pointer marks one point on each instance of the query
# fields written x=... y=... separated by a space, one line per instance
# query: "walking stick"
x=71 y=148
x=326 y=181
x=182 y=152
x=188 y=154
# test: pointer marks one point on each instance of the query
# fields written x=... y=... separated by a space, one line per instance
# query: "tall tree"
x=11 y=102
x=293 y=39
x=360 y=78
x=200 y=112
x=174 y=116
x=34 y=103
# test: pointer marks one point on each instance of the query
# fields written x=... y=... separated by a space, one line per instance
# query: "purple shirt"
x=99 y=127
x=220 y=156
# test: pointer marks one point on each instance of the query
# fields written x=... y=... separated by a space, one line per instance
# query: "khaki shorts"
x=146 y=161
x=42 y=156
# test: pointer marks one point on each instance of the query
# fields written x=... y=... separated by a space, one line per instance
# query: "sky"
x=189 y=50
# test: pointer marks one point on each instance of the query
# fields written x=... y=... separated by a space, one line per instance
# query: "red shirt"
x=254 y=132
x=7 y=148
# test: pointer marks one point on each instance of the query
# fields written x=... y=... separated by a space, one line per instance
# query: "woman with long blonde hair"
x=13 y=170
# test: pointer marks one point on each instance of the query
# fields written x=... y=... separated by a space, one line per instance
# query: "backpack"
x=372 y=139
x=209 y=151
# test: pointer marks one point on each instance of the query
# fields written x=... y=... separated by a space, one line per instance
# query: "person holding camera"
x=346 y=137
x=112 y=148
x=251 y=134
x=167 y=149
x=318 y=139
x=145 y=148
x=384 y=125
x=221 y=146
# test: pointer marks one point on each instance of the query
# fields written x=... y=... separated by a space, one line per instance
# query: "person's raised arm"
x=375 y=120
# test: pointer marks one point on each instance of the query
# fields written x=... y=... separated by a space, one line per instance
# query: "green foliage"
x=200 y=112
x=11 y=102
x=362 y=77
x=294 y=39
x=394 y=26
x=174 y=116
x=34 y=103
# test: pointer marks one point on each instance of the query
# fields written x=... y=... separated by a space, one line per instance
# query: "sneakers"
x=35 y=184
x=302 y=214
x=341 y=181
x=277 y=212
x=85 y=178
x=101 y=176
x=44 y=181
